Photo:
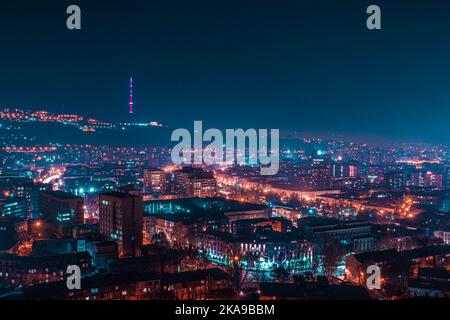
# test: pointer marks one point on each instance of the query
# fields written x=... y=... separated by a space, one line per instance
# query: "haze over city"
x=349 y=199
x=303 y=66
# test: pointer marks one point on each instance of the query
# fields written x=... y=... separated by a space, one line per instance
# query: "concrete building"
x=194 y=182
x=120 y=216
x=155 y=181
x=61 y=207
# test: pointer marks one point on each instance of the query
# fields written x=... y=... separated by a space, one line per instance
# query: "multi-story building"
x=155 y=181
x=30 y=270
x=355 y=234
x=430 y=199
x=430 y=283
x=190 y=285
x=120 y=217
x=13 y=207
x=349 y=183
x=250 y=226
x=320 y=178
x=290 y=212
x=194 y=182
x=410 y=260
x=61 y=207
x=395 y=179
x=24 y=189
x=344 y=170
x=261 y=251
x=205 y=213
x=30 y=192
x=444 y=235
x=172 y=226
x=427 y=179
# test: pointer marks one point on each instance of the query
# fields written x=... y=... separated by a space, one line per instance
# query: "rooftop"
x=58 y=289
x=190 y=209
x=117 y=194
x=434 y=273
x=61 y=195
x=393 y=254
x=429 y=284
x=259 y=237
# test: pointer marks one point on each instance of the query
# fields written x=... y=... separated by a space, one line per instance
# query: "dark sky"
x=310 y=66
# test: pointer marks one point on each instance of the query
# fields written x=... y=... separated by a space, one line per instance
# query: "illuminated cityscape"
x=333 y=208
x=359 y=208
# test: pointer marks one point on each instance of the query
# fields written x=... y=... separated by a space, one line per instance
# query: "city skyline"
x=222 y=156
x=304 y=60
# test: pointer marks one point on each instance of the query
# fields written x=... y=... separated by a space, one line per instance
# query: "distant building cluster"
x=85 y=124
x=141 y=228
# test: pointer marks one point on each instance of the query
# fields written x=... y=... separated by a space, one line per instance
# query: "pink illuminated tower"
x=131 y=111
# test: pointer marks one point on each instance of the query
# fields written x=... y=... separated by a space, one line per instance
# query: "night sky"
x=310 y=66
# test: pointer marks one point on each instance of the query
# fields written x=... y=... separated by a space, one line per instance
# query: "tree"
x=181 y=235
x=160 y=238
x=237 y=273
x=396 y=274
x=294 y=200
x=333 y=253
x=280 y=274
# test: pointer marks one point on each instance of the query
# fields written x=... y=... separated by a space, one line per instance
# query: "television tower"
x=131 y=110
